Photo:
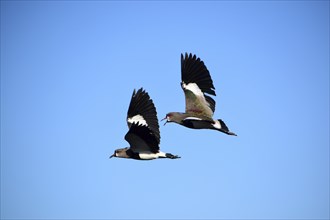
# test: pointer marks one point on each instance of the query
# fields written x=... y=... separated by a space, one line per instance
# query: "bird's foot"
x=171 y=156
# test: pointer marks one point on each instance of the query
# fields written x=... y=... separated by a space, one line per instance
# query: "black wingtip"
x=142 y=104
x=193 y=70
x=140 y=90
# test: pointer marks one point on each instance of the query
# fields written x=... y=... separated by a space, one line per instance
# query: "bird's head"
x=120 y=153
x=167 y=118
x=171 y=117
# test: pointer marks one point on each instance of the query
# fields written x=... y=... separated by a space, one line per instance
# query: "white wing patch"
x=193 y=118
x=193 y=87
x=136 y=119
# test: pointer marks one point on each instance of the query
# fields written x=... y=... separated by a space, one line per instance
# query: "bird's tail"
x=171 y=156
x=223 y=128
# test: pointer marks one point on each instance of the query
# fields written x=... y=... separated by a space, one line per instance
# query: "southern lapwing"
x=196 y=81
x=143 y=135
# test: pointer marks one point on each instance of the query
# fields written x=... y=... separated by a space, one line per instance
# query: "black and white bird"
x=196 y=82
x=143 y=135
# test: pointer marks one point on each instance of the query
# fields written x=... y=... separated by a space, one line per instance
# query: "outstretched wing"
x=142 y=139
x=142 y=111
x=196 y=81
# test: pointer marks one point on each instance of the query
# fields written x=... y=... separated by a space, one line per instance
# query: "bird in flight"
x=143 y=135
x=196 y=82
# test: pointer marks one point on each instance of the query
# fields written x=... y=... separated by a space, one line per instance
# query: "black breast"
x=132 y=154
x=188 y=123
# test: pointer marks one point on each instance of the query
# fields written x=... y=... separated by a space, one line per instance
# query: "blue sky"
x=68 y=69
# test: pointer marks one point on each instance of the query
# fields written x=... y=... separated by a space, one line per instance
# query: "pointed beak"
x=165 y=121
x=112 y=156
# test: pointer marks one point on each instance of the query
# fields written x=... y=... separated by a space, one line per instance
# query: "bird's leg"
x=171 y=156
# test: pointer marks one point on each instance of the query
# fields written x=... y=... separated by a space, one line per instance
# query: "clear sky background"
x=68 y=70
